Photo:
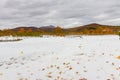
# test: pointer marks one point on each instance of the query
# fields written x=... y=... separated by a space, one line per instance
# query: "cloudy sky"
x=65 y=13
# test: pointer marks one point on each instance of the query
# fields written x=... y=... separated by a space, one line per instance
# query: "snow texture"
x=61 y=58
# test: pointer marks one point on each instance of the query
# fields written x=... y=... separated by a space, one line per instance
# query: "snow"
x=61 y=58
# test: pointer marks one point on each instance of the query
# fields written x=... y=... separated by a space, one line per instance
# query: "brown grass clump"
x=60 y=72
x=23 y=79
x=43 y=69
x=113 y=64
x=1 y=74
x=49 y=76
x=77 y=72
x=50 y=73
x=70 y=68
x=83 y=79
x=58 y=67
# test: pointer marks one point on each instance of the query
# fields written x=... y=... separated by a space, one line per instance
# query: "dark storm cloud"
x=66 y=13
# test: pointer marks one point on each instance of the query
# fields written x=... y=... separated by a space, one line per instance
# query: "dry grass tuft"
x=118 y=57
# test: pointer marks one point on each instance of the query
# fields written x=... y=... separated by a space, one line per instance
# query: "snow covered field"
x=61 y=58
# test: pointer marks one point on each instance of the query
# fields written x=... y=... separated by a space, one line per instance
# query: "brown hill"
x=90 y=29
x=34 y=29
x=95 y=28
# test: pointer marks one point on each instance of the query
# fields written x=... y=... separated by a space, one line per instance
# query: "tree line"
x=59 y=31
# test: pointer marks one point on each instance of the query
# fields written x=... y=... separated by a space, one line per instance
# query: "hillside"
x=94 y=29
x=90 y=29
x=34 y=29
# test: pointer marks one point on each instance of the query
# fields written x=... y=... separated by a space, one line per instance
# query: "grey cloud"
x=66 y=13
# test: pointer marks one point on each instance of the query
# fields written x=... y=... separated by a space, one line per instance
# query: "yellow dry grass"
x=118 y=57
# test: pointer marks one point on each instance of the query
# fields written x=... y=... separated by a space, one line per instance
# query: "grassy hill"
x=94 y=29
x=90 y=29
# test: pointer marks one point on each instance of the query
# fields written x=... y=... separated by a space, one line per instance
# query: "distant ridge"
x=95 y=26
x=89 y=29
x=46 y=28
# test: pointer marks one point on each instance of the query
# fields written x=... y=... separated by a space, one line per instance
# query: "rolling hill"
x=90 y=29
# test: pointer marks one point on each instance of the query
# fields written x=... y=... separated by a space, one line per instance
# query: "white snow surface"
x=61 y=58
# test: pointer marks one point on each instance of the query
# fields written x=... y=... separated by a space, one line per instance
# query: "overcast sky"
x=65 y=13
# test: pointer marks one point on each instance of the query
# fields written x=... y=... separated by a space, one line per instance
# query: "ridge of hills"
x=89 y=29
